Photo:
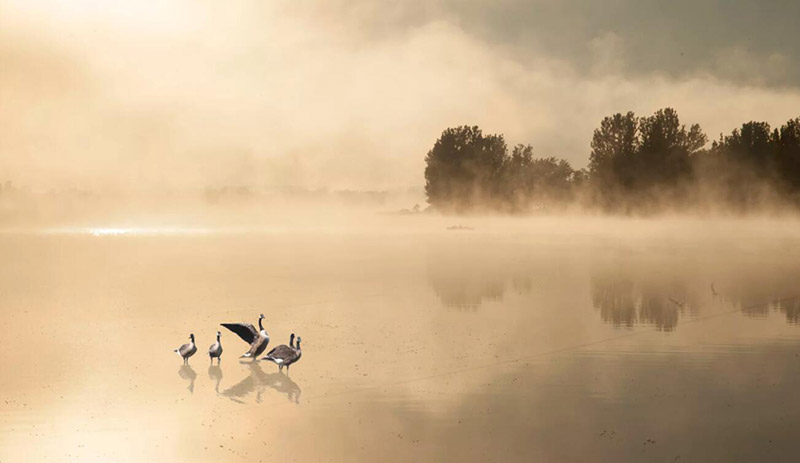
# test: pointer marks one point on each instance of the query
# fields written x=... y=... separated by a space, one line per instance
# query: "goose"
x=187 y=350
x=258 y=340
x=284 y=355
x=215 y=351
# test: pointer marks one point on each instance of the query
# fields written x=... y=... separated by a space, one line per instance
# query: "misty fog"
x=505 y=231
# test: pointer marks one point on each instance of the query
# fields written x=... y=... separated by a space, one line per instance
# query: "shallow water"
x=520 y=342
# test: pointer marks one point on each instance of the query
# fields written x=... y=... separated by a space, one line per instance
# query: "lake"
x=553 y=340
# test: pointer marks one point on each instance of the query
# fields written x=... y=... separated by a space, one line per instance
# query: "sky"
x=176 y=95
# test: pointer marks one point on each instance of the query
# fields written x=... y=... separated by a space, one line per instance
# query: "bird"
x=258 y=340
x=215 y=351
x=187 y=350
x=284 y=355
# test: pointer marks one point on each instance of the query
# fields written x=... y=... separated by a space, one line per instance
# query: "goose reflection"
x=215 y=375
x=187 y=372
x=256 y=381
x=246 y=386
x=282 y=383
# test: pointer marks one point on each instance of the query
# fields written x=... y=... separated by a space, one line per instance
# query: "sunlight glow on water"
x=110 y=231
x=126 y=231
x=180 y=230
x=176 y=230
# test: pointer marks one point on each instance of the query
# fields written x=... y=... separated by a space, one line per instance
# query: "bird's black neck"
x=260 y=326
x=291 y=341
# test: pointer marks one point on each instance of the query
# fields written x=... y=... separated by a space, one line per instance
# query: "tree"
x=463 y=168
x=517 y=186
x=551 y=179
x=742 y=166
x=635 y=160
x=526 y=180
x=665 y=149
x=787 y=154
x=752 y=147
x=614 y=147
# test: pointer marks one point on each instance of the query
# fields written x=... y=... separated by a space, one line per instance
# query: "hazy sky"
x=351 y=94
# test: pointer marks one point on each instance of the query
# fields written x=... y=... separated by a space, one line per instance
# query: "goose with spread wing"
x=258 y=339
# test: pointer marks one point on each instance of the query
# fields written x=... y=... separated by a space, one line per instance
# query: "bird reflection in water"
x=187 y=372
x=282 y=383
x=215 y=375
x=257 y=381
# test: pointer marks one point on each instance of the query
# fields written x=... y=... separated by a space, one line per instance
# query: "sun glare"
x=110 y=231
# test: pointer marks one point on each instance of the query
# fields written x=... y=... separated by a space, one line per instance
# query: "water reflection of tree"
x=624 y=303
x=614 y=298
x=465 y=277
x=466 y=292
x=655 y=308
x=790 y=308
x=756 y=287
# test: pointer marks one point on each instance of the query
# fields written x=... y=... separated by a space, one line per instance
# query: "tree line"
x=636 y=164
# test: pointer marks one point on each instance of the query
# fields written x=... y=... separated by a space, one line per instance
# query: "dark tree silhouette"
x=787 y=154
x=663 y=157
x=527 y=180
x=614 y=146
x=752 y=147
x=463 y=168
x=636 y=164
x=634 y=158
x=740 y=167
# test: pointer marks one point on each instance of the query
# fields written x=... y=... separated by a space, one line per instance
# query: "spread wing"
x=259 y=346
x=246 y=331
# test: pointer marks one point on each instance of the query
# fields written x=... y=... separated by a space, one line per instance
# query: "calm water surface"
x=512 y=344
